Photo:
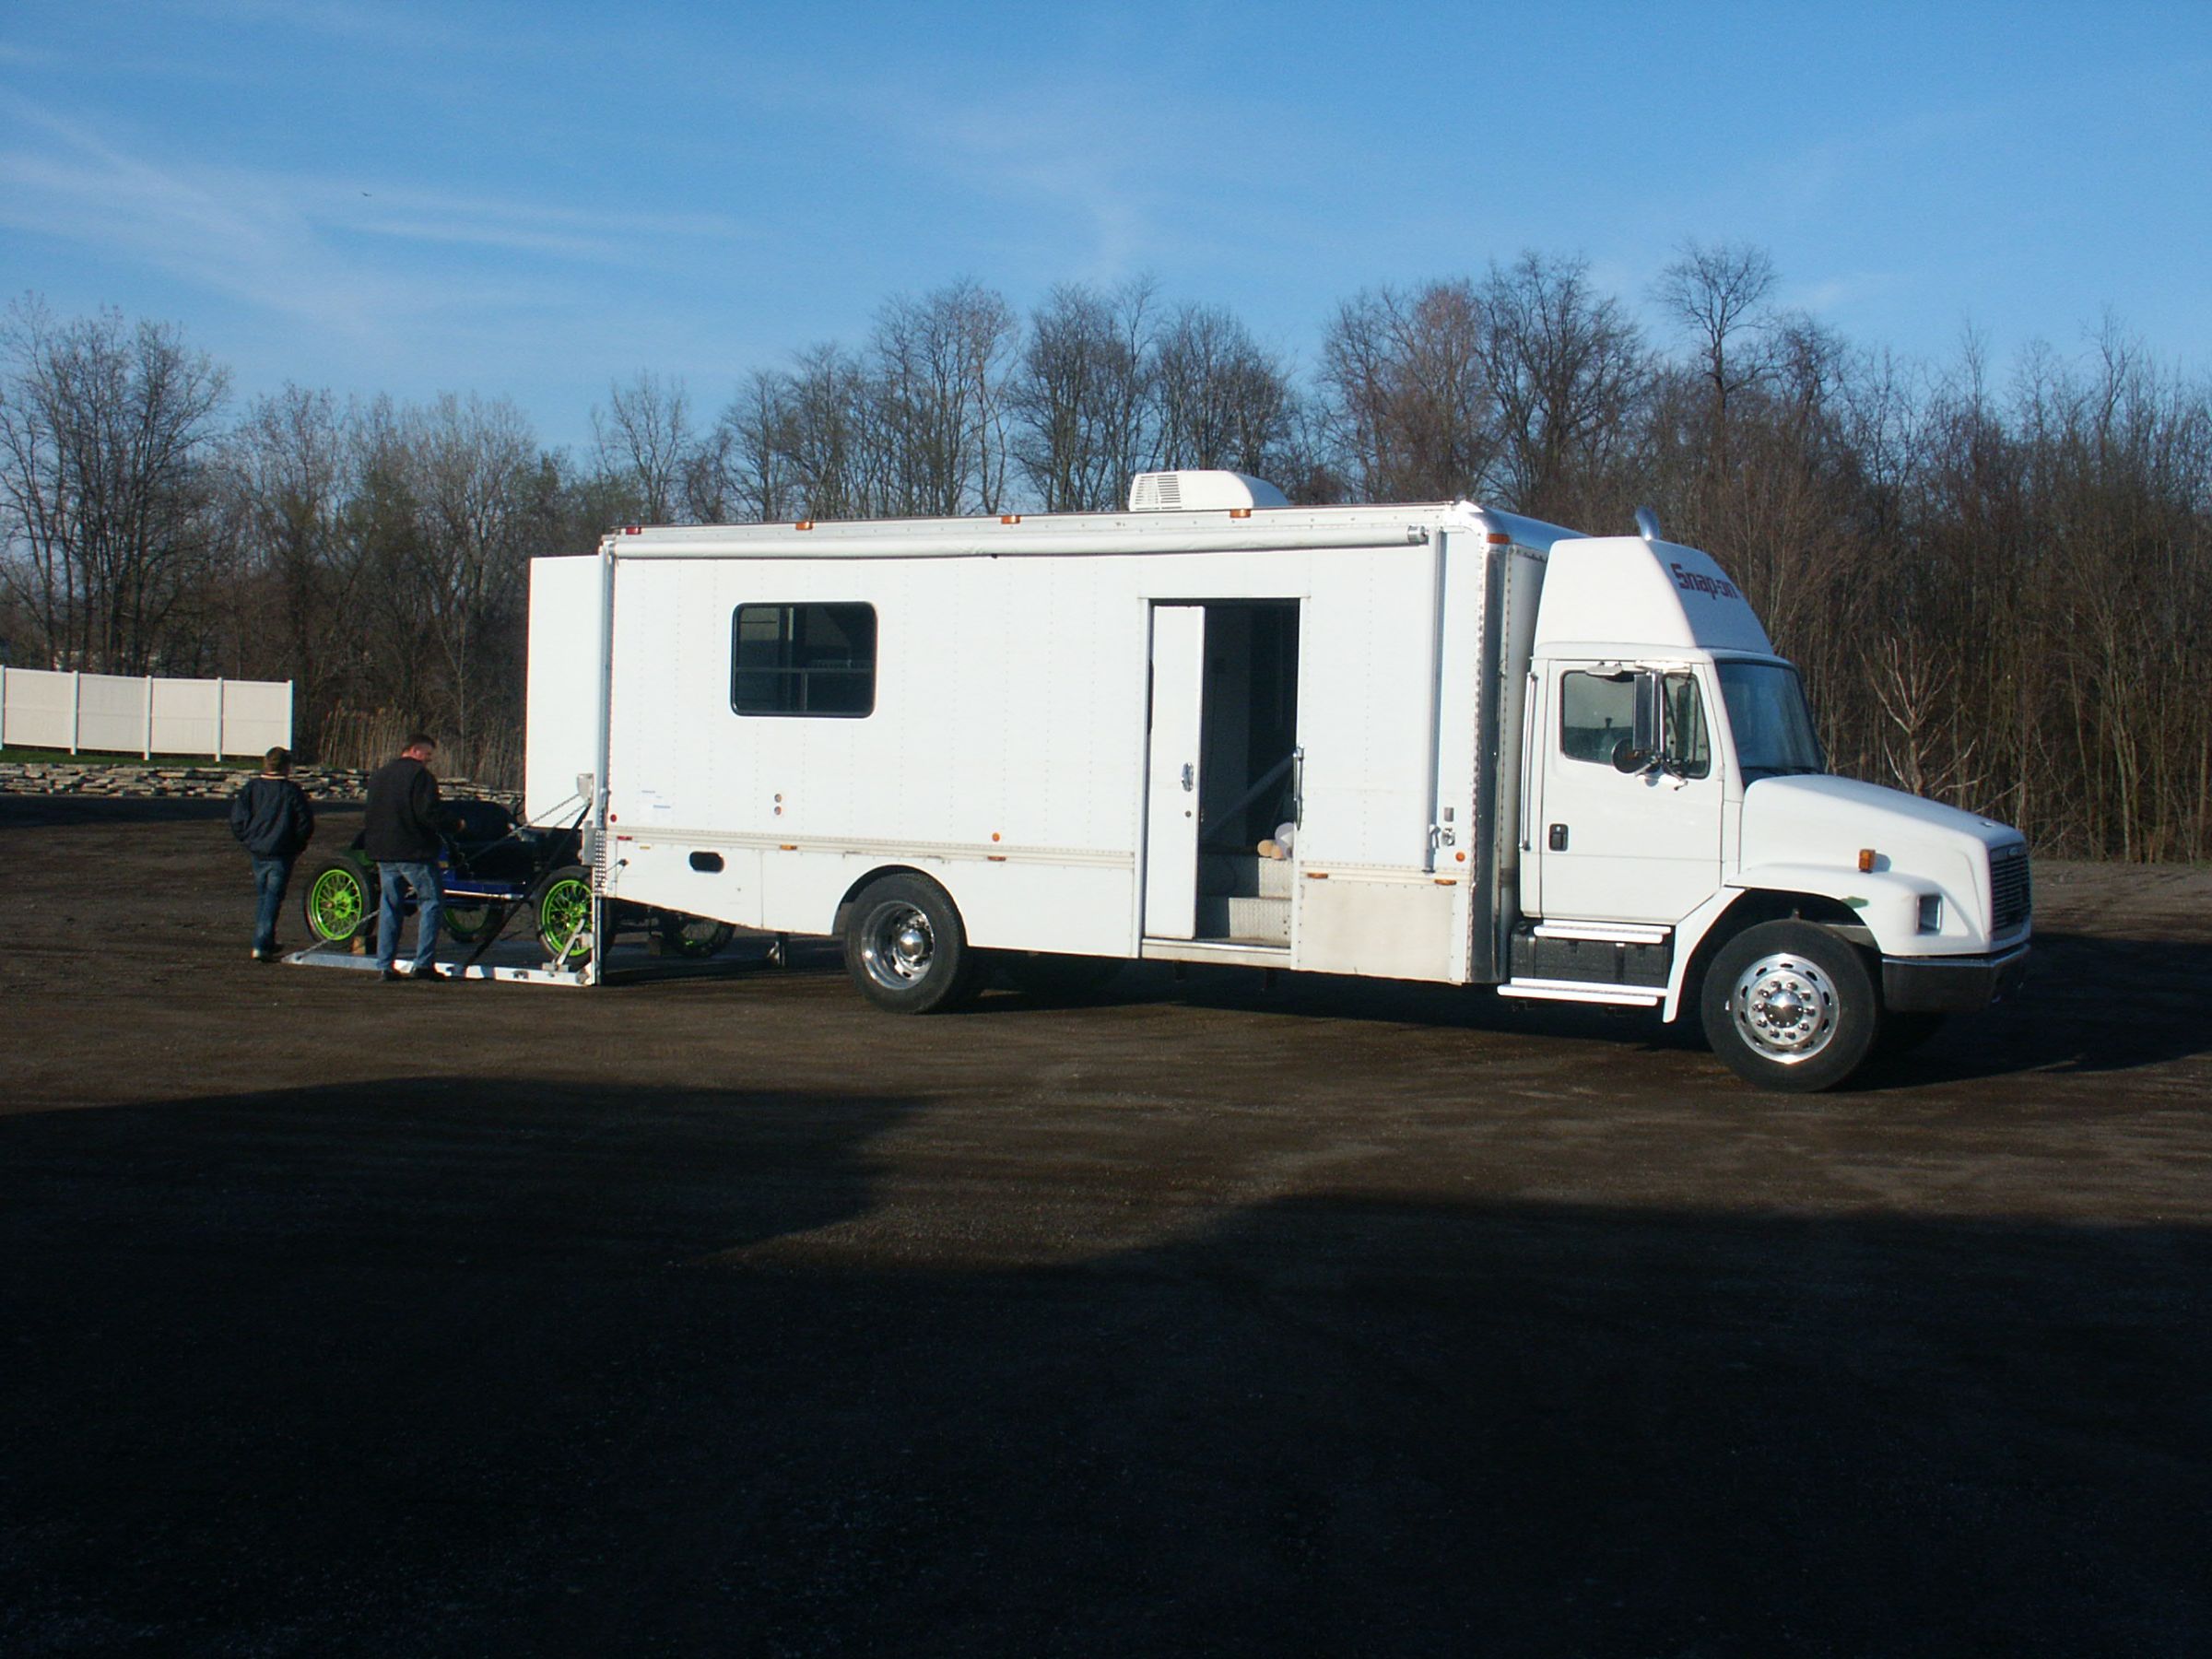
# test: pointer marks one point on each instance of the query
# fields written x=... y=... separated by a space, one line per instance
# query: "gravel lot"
x=731 y=1316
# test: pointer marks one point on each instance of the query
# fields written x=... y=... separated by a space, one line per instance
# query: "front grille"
x=2009 y=888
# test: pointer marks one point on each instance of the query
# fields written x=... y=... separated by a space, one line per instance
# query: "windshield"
x=1771 y=720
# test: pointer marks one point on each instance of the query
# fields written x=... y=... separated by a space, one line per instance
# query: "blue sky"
x=529 y=200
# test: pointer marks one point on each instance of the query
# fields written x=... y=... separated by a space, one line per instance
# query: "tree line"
x=1999 y=584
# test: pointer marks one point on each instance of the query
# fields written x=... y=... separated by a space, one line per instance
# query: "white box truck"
x=1489 y=751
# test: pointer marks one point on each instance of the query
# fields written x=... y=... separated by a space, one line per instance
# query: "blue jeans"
x=270 y=878
x=430 y=903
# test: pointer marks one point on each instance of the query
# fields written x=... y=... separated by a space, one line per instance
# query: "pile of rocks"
x=335 y=785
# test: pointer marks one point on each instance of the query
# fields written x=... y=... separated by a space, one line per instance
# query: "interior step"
x=1243 y=876
x=1252 y=919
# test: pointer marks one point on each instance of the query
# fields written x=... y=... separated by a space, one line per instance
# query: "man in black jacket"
x=273 y=821
x=402 y=834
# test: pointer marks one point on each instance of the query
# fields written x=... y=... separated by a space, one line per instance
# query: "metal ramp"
x=523 y=962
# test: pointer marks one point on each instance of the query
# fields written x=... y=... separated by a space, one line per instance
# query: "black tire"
x=1903 y=1033
x=563 y=916
x=906 y=950
x=464 y=924
x=338 y=902
x=696 y=937
x=1042 y=977
x=1788 y=1006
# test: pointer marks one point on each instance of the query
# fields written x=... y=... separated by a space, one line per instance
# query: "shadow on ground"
x=2064 y=1018
x=447 y=1367
x=52 y=811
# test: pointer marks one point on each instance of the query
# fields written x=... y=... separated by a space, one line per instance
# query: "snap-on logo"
x=1719 y=587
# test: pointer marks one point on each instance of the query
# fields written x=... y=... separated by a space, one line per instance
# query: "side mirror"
x=1633 y=761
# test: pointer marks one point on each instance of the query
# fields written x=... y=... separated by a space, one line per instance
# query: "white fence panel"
x=38 y=709
x=187 y=717
x=258 y=716
x=111 y=713
x=115 y=713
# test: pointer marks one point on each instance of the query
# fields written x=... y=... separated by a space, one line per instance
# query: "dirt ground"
x=733 y=1316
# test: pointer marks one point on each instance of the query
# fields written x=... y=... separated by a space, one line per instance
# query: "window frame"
x=1653 y=720
x=798 y=674
x=1635 y=728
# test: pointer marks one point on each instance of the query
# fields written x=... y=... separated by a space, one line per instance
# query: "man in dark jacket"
x=402 y=834
x=273 y=821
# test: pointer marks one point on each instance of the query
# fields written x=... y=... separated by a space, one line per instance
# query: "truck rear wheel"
x=1790 y=1006
x=906 y=950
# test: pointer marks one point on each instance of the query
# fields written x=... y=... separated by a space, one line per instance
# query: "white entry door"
x=1171 y=780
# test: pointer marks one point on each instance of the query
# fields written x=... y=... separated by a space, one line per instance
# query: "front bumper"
x=1951 y=984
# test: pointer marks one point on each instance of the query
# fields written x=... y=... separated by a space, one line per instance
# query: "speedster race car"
x=492 y=865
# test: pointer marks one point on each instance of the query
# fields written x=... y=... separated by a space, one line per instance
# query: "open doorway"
x=1224 y=771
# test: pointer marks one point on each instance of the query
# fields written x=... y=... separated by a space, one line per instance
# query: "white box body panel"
x=1005 y=753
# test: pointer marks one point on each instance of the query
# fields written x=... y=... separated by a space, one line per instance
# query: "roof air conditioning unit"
x=1201 y=491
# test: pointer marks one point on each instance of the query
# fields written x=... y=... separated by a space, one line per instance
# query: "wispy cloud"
x=1829 y=295
x=332 y=253
x=29 y=57
x=339 y=19
x=1100 y=156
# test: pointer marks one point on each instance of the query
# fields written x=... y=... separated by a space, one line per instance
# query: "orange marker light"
x=1865 y=860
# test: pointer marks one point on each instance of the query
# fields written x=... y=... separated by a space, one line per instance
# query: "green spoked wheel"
x=337 y=902
x=564 y=917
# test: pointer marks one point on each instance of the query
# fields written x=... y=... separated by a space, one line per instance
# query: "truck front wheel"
x=1788 y=1006
x=906 y=950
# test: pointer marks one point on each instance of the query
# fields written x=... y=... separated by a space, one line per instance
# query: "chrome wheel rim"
x=1784 y=1007
x=898 y=946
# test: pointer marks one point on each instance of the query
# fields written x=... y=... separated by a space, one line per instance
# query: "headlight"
x=1931 y=913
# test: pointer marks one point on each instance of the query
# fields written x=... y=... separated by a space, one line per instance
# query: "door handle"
x=1559 y=838
x=1190 y=776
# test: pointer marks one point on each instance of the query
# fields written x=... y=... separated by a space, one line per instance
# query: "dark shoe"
x=434 y=974
x=393 y=976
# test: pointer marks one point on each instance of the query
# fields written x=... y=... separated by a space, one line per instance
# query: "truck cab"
x=1682 y=838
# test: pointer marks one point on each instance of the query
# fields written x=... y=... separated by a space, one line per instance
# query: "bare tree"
x=1081 y=400
x=940 y=366
x=1566 y=368
x=1407 y=397
x=642 y=442
x=1222 y=400
x=1714 y=292
x=292 y=464
x=107 y=438
x=477 y=484
x=817 y=433
x=745 y=472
